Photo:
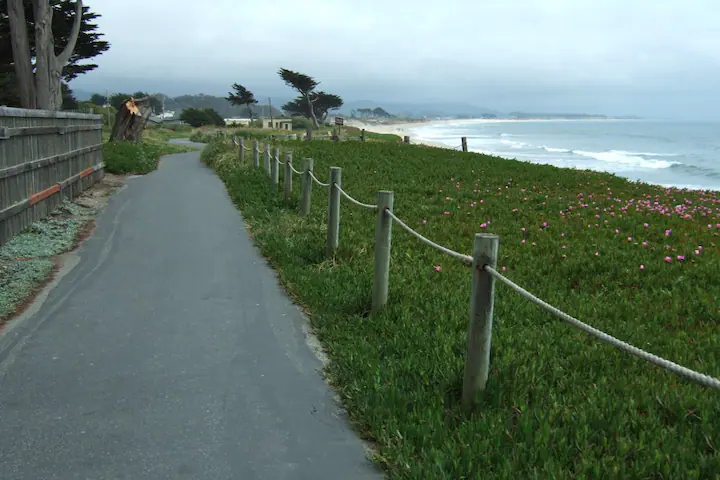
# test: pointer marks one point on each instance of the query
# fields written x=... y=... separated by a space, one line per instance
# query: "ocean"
x=677 y=154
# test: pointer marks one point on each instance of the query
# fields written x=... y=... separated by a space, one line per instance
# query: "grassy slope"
x=559 y=404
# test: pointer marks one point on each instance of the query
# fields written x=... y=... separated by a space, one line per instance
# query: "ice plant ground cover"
x=639 y=262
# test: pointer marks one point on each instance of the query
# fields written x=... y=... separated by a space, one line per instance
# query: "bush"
x=138 y=158
x=301 y=123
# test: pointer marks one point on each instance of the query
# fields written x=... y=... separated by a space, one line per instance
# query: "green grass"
x=558 y=404
x=141 y=158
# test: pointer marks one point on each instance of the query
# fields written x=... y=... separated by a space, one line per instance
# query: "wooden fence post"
x=256 y=154
x=288 y=175
x=464 y=144
x=275 y=168
x=362 y=135
x=406 y=139
x=309 y=133
x=383 y=234
x=477 y=363
x=267 y=159
x=333 y=232
x=307 y=184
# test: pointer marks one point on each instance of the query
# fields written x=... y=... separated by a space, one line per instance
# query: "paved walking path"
x=169 y=352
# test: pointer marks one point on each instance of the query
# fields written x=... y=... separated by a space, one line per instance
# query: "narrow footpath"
x=169 y=351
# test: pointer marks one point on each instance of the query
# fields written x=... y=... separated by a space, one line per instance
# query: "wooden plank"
x=45 y=194
x=7 y=133
x=43 y=162
x=26 y=113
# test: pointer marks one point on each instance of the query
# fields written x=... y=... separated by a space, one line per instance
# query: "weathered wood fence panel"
x=45 y=157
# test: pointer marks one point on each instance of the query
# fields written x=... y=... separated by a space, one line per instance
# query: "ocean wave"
x=695 y=170
x=616 y=157
x=646 y=154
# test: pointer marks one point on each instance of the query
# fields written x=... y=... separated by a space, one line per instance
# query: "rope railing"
x=467 y=259
x=312 y=175
x=293 y=169
x=698 y=377
x=482 y=294
x=354 y=201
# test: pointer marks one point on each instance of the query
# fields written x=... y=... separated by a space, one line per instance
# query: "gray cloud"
x=657 y=58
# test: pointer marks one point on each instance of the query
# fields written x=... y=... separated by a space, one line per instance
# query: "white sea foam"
x=616 y=157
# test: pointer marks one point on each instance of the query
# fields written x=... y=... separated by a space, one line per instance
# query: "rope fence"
x=484 y=274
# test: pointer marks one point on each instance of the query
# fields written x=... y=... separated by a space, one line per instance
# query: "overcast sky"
x=657 y=58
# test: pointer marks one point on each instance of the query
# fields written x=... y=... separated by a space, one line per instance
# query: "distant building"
x=277 y=123
x=237 y=121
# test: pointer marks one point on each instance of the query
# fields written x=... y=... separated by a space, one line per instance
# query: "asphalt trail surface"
x=169 y=352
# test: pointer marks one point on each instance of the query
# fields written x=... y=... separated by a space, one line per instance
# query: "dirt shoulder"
x=29 y=261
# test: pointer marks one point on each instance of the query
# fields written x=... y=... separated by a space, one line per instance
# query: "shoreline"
x=401 y=129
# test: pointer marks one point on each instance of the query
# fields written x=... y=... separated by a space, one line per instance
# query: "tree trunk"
x=311 y=107
x=48 y=67
x=44 y=49
x=130 y=120
x=21 y=53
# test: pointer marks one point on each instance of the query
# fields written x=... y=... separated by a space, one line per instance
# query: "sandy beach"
x=400 y=129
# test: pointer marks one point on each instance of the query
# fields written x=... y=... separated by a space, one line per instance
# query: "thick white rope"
x=463 y=258
x=235 y=142
x=277 y=159
x=293 y=169
x=352 y=200
x=312 y=175
x=700 y=378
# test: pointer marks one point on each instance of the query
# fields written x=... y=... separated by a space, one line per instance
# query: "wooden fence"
x=45 y=158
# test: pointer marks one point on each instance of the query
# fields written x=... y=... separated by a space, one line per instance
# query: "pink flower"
x=644 y=244
x=646 y=225
x=524 y=241
x=709 y=225
x=668 y=232
x=447 y=198
x=617 y=231
x=545 y=224
x=700 y=247
x=504 y=268
x=642 y=267
x=564 y=246
x=681 y=258
x=438 y=268
x=668 y=259
x=697 y=252
x=424 y=222
x=523 y=229
x=562 y=234
x=483 y=225
x=629 y=239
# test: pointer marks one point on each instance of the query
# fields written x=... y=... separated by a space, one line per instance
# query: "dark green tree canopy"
x=304 y=84
x=199 y=117
x=97 y=99
x=89 y=43
x=322 y=104
x=242 y=96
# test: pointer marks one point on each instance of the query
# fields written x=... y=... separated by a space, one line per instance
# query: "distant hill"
x=219 y=104
x=406 y=109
